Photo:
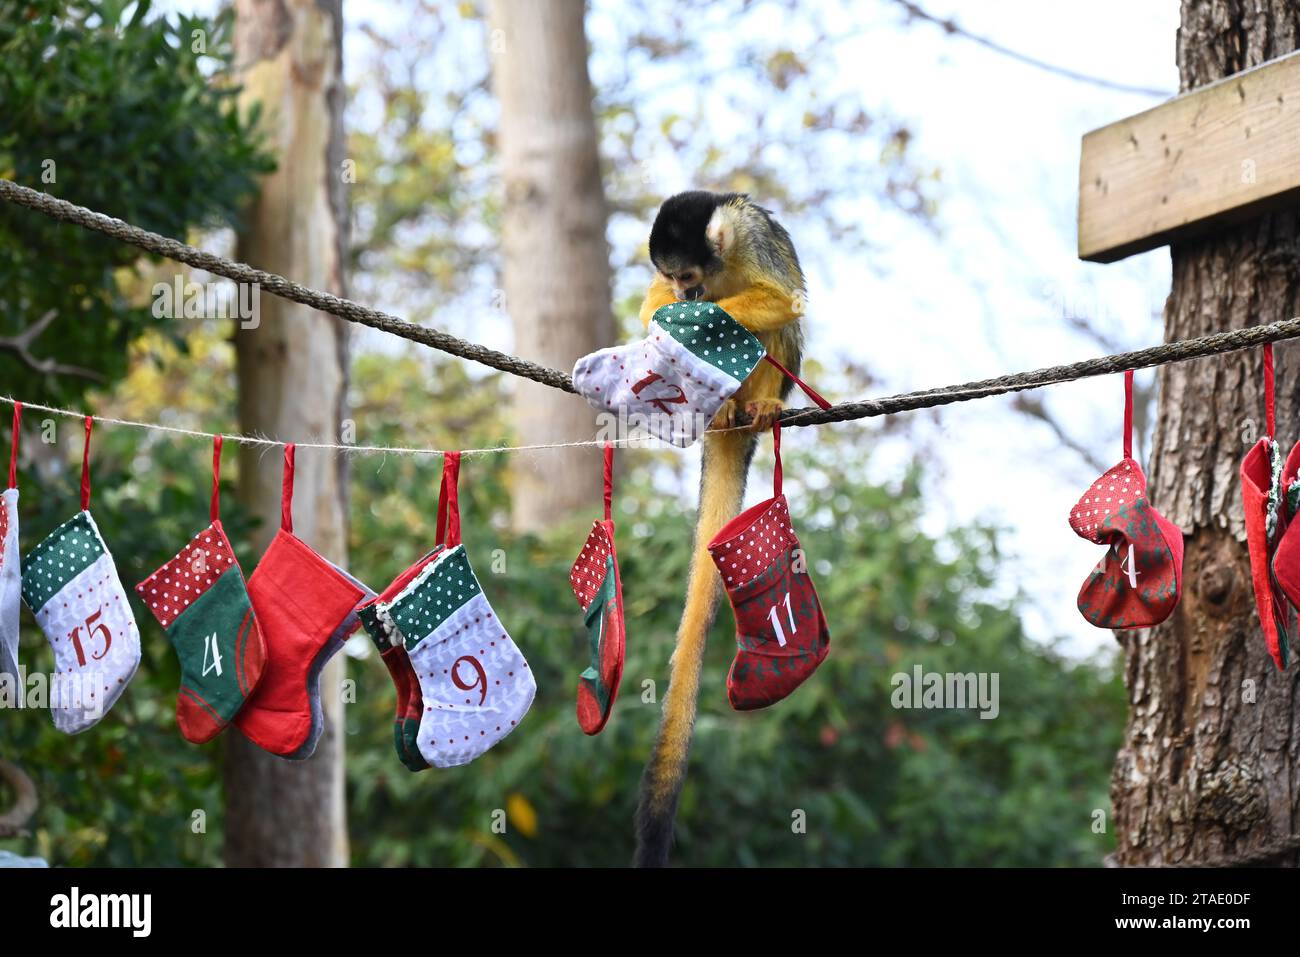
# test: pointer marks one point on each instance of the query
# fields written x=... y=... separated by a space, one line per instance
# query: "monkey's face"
x=686 y=281
x=689 y=243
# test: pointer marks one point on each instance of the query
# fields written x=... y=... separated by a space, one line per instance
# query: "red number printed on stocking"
x=776 y=622
x=677 y=397
x=481 y=677
x=101 y=629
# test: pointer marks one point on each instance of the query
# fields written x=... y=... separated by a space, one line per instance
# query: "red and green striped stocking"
x=406 y=719
x=201 y=600
x=599 y=589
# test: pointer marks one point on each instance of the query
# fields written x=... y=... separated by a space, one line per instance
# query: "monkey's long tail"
x=726 y=457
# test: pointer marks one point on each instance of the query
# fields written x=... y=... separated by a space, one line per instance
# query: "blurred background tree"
x=131 y=115
x=291 y=371
x=877 y=785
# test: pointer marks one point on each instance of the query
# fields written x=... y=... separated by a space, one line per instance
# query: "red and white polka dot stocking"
x=781 y=632
x=201 y=600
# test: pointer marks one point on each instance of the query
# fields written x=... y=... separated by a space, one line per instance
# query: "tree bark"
x=292 y=374
x=555 y=256
x=1210 y=768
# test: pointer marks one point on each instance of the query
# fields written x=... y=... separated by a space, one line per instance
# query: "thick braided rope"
x=284 y=288
x=1182 y=350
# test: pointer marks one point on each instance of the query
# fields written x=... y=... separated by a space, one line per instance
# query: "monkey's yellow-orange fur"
x=719 y=499
x=770 y=306
x=763 y=308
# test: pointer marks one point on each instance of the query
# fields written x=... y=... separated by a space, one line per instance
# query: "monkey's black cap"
x=678 y=238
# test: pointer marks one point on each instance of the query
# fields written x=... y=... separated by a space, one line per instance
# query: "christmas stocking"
x=11 y=576
x=201 y=600
x=475 y=684
x=302 y=603
x=332 y=647
x=400 y=671
x=672 y=382
x=599 y=590
x=406 y=719
x=1138 y=581
x=781 y=632
x=71 y=586
x=1261 y=499
x=1286 y=558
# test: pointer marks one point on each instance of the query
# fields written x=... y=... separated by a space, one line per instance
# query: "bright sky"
x=988 y=295
x=988 y=292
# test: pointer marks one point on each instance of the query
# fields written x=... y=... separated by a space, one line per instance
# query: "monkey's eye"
x=688 y=277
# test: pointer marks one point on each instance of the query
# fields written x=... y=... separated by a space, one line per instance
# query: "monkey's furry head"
x=693 y=238
x=703 y=242
x=679 y=238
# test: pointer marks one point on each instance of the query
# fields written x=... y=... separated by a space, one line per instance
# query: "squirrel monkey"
x=722 y=248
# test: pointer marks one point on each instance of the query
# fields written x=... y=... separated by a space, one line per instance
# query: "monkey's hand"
x=763 y=413
x=725 y=417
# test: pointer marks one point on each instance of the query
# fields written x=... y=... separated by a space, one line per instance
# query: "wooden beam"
x=1220 y=154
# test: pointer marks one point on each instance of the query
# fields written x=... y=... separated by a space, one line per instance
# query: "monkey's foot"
x=763 y=412
x=725 y=417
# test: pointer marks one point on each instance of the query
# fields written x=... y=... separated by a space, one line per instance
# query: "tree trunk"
x=1210 y=765
x=555 y=257
x=291 y=386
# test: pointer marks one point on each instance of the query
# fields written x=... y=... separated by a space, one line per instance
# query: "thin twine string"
x=1214 y=344
x=276 y=443
x=268 y=443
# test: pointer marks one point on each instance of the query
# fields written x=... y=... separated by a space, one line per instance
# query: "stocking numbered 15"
x=70 y=583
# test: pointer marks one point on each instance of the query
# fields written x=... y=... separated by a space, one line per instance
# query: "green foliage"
x=123 y=792
x=136 y=128
x=878 y=785
x=111 y=110
x=121 y=113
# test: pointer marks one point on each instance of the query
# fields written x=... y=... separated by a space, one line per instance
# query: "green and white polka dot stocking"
x=671 y=383
x=474 y=682
x=70 y=583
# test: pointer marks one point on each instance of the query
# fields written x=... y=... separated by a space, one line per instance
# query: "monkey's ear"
x=721 y=231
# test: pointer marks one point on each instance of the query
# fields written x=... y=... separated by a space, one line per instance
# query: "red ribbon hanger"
x=448 y=525
x=286 y=491
x=216 y=473
x=776 y=449
x=807 y=389
x=1128 y=414
x=85 y=467
x=13 y=450
x=609 y=482
x=1269 y=414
